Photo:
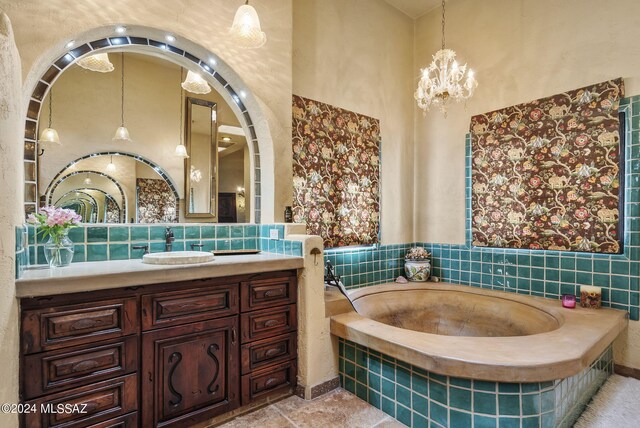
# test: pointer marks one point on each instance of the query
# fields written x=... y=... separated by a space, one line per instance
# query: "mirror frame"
x=213 y=189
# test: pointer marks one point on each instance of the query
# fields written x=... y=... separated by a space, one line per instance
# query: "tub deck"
x=583 y=335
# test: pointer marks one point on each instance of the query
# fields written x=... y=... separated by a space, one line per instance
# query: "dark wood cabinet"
x=190 y=371
x=164 y=355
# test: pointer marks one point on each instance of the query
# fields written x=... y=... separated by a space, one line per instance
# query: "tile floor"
x=337 y=409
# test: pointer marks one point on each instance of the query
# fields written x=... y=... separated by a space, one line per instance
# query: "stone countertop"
x=90 y=276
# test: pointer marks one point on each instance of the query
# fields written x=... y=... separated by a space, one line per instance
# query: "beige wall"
x=521 y=50
x=10 y=214
x=357 y=55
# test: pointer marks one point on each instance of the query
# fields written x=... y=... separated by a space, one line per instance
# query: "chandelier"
x=442 y=80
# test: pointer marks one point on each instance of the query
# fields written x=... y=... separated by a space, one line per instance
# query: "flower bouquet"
x=55 y=223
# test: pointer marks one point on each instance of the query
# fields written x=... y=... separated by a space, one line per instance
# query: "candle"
x=568 y=301
x=590 y=297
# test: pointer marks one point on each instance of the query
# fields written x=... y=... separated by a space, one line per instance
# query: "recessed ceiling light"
x=120 y=29
x=170 y=38
x=243 y=94
x=212 y=61
x=70 y=44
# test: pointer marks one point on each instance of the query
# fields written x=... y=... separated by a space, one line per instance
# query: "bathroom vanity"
x=163 y=354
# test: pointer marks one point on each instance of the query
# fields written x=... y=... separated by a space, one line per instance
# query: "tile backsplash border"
x=536 y=272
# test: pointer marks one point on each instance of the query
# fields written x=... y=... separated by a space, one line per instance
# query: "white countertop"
x=89 y=276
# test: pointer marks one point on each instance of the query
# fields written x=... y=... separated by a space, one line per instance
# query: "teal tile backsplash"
x=116 y=242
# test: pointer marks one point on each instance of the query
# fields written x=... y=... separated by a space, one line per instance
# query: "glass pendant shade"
x=111 y=167
x=181 y=151
x=49 y=135
x=195 y=84
x=122 y=134
x=246 y=31
x=98 y=62
x=87 y=181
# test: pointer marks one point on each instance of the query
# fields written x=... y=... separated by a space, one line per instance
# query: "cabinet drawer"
x=127 y=421
x=89 y=404
x=262 y=353
x=62 y=326
x=185 y=306
x=267 y=293
x=268 y=322
x=54 y=371
x=263 y=382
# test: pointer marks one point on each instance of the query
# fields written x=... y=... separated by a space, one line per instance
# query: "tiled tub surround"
x=419 y=398
x=116 y=242
x=534 y=272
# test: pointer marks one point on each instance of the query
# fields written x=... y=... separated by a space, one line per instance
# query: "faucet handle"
x=141 y=247
x=194 y=246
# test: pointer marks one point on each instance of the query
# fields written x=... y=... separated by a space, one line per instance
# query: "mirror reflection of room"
x=185 y=160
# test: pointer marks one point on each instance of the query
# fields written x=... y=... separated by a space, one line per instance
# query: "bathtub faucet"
x=330 y=278
x=168 y=239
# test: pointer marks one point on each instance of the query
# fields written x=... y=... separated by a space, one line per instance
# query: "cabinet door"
x=190 y=372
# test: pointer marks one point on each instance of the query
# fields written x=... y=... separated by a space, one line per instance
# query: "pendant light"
x=441 y=82
x=87 y=180
x=49 y=135
x=98 y=62
x=181 y=150
x=246 y=31
x=122 y=133
x=111 y=167
x=195 y=84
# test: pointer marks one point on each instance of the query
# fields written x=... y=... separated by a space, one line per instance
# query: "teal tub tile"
x=403 y=395
x=157 y=233
x=79 y=255
x=460 y=398
x=178 y=232
x=484 y=403
x=97 y=234
x=388 y=370
x=420 y=385
x=251 y=231
x=481 y=385
x=509 y=423
x=375 y=364
x=118 y=234
x=511 y=388
x=508 y=404
x=178 y=245
x=530 y=404
x=388 y=389
x=459 y=419
x=480 y=421
x=389 y=407
x=403 y=415
x=350 y=369
x=419 y=421
x=403 y=377
x=438 y=392
x=361 y=374
x=139 y=233
x=350 y=385
x=420 y=404
x=41 y=259
x=96 y=252
x=361 y=391
x=236 y=231
x=374 y=399
x=118 y=251
x=531 y=422
x=438 y=413
x=350 y=353
x=207 y=232
x=374 y=381
x=237 y=244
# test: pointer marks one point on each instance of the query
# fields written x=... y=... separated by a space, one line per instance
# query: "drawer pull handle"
x=270 y=382
x=274 y=293
x=271 y=323
x=84 y=365
x=234 y=335
x=91 y=406
x=83 y=324
x=272 y=351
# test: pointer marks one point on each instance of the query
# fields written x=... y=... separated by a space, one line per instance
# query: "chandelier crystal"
x=444 y=79
x=246 y=31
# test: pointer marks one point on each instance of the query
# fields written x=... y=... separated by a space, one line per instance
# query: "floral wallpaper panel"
x=156 y=201
x=336 y=173
x=546 y=174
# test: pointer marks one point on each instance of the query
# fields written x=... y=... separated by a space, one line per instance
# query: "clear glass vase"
x=59 y=250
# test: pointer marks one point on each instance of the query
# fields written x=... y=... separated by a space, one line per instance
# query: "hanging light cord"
x=122 y=92
x=443 y=24
x=50 y=105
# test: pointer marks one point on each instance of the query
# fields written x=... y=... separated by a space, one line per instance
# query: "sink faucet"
x=168 y=237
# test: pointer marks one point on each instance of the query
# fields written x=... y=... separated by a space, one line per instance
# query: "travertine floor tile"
x=338 y=409
x=267 y=417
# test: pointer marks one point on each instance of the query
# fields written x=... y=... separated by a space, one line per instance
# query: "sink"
x=178 y=258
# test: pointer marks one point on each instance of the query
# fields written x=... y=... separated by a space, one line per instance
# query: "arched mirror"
x=186 y=157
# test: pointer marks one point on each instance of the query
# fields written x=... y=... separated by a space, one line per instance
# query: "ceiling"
x=414 y=8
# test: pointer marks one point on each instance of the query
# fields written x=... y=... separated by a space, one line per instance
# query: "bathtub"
x=474 y=333
x=443 y=355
